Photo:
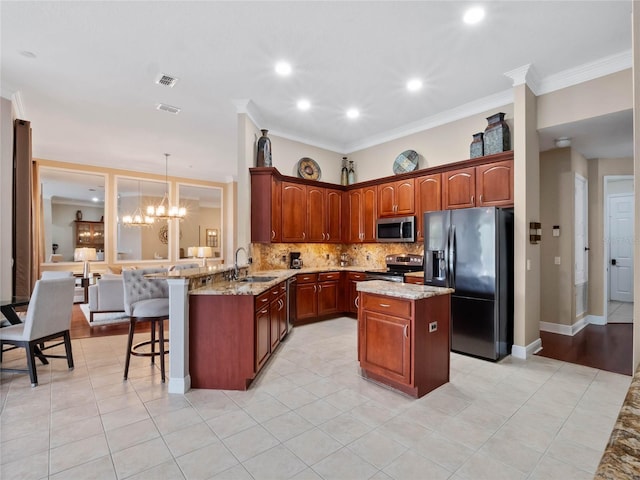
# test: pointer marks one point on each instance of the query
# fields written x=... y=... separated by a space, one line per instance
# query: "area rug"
x=103 y=318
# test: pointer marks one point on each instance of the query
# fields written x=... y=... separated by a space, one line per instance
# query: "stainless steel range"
x=397 y=265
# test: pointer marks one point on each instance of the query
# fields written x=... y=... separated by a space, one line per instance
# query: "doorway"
x=618 y=258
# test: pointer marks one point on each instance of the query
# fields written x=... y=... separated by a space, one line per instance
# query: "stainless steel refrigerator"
x=471 y=251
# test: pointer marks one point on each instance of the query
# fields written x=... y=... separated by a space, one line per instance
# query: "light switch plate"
x=556 y=260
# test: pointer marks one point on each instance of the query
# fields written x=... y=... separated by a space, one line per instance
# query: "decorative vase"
x=344 y=174
x=79 y=215
x=496 y=136
x=476 y=149
x=351 y=176
x=264 y=150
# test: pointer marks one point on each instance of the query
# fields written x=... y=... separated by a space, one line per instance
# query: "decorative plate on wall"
x=308 y=169
x=407 y=161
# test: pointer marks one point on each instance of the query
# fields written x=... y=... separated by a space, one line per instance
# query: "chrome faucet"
x=236 y=270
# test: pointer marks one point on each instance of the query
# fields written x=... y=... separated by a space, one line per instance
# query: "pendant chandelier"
x=164 y=210
x=137 y=219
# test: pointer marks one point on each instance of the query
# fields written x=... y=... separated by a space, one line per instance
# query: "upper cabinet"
x=287 y=209
x=485 y=185
x=90 y=234
x=396 y=198
x=494 y=184
x=428 y=198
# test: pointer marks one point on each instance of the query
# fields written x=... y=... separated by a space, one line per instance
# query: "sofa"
x=107 y=295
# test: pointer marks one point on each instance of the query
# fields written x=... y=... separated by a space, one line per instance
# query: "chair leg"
x=153 y=341
x=31 y=363
x=67 y=348
x=132 y=328
x=161 y=349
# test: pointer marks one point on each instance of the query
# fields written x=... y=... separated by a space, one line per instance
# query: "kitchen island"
x=404 y=335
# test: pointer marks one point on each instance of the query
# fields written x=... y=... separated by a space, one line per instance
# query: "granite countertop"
x=237 y=287
x=621 y=458
x=401 y=290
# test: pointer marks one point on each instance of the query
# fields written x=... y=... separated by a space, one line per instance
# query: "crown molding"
x=16 y=101
x=525 y=75
x=583 y=73
x=463 y=111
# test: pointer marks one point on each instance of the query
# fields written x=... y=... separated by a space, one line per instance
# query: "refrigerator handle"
x=452 y=256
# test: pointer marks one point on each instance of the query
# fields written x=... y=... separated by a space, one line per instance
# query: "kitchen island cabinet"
x=404 y=335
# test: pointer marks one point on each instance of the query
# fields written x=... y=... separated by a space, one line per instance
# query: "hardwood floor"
x=80 y=327
x=606 y=347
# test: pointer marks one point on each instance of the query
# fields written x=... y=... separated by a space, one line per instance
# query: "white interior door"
x=581 y=257
x=621 y=247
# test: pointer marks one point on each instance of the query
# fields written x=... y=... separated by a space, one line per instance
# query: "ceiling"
x=88 y=88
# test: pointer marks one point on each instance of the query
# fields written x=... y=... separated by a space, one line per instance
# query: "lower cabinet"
x=352 y=281
x=405 y=343
x=263 y=336
x=317 y=294
x=414 y=280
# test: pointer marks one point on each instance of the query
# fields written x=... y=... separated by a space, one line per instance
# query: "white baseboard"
x=180 y=385
x=526 y=352
x=572 y=329
x=596 y=319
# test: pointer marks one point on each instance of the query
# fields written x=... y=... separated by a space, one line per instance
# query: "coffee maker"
x=294 y=260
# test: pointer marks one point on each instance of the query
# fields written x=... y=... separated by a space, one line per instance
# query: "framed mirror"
x=72 y=213
x=202 y=226
x=137 y=241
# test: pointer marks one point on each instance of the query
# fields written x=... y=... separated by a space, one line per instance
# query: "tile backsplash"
x=369 y=255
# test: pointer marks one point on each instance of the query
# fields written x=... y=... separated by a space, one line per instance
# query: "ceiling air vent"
x=168 y=108
x=166 y=80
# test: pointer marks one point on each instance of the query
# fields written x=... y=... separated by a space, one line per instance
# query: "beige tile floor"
x=620 y=312
x=308 y=416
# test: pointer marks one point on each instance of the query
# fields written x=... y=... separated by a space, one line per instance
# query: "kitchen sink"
x=257 y=279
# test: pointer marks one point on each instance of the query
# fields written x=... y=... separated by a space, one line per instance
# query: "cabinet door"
x=333 y=221
x=83 y=234
x=494 y=184
x=458 y=188
x=369 y=213
x=385 y=347
x=353 y=224
x=386 y=200
x=315 y=231
x=262 y=211
x=327 y=297
x=405 y=197
x=276 y=210
x=428 y=193
x=294 y=212
x=306 y=301
x=282 y=318
x=276 y=308
x=354 y=278
x=263 y=337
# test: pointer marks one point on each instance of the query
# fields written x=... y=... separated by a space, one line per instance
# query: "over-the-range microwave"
x=396 y=229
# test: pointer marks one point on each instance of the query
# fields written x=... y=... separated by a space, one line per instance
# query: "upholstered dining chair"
x=146 y=300
x=48 y=318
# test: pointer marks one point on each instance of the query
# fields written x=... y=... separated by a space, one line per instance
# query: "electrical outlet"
x=368 y=257
x=327 y=256
x=250 y=260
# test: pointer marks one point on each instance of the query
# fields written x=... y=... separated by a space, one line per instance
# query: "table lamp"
x=86 y=255
x=204 y=253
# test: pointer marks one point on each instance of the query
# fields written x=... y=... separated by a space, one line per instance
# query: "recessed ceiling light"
x=283 y=68
x=414 y=84
x=473 y=15
x=28 y=54
x=353 y=113
x=95 y=199
x=303 y=104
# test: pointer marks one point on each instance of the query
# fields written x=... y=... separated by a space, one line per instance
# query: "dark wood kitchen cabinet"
x=333 y=216
x=494 y=184
x=396 y=198
x=404 y=343
x=361 y=211
x=317 y=295
x=485 y=185
x=263 y=330
x=294 y=212
x=428 y=190
x=266 y=206
x=352 y=279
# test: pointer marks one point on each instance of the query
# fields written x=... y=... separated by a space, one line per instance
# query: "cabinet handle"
x=480 y=198
x=328 y=237
x=264 y=311
x=418 y=233
x=319 y=288
x=273 y=234
x=304 y=235
x=314 y=289
x=473 y=198
x=357 y=302
x=406 y=331
x=385 y=305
